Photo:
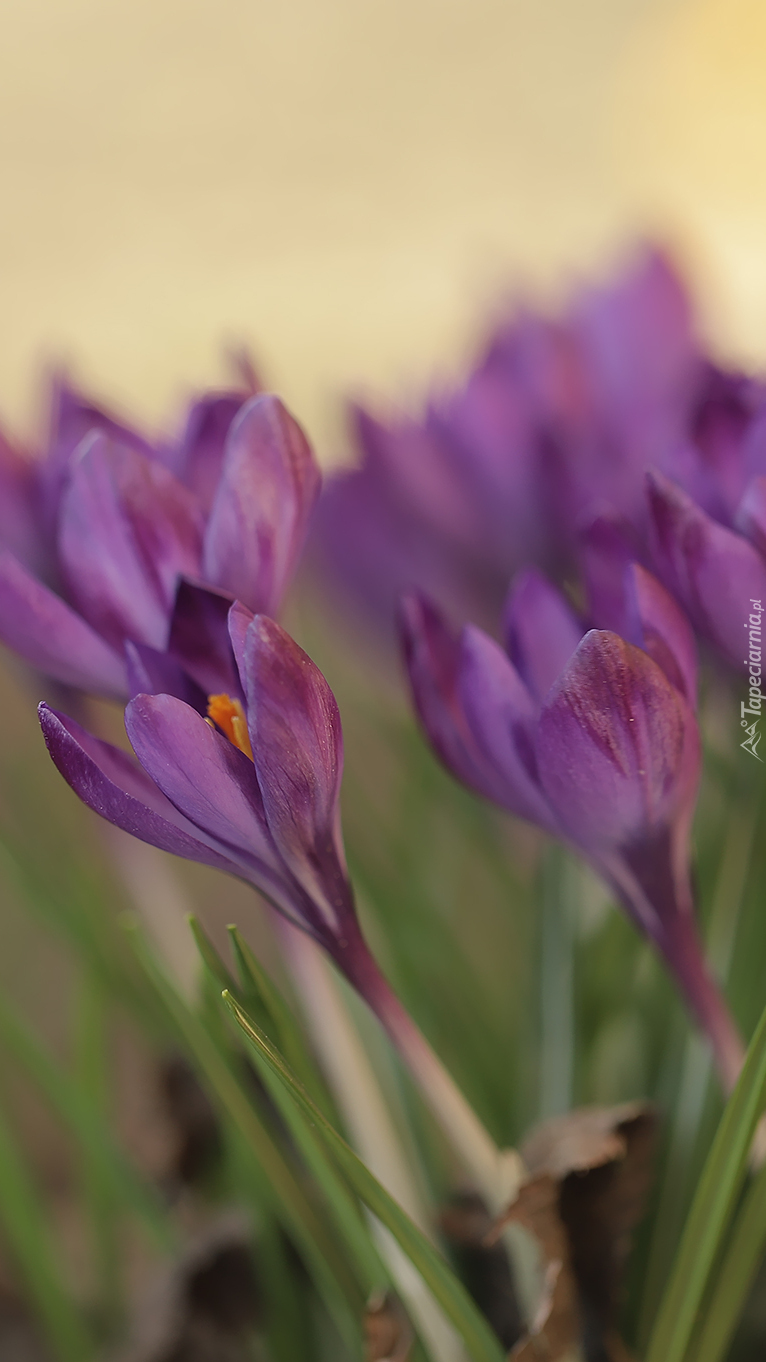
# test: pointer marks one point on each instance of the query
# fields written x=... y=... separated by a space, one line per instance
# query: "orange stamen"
x=229 y=715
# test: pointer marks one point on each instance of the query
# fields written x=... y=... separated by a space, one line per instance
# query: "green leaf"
x=343 y=1207
x=86 y=1123
x=483 y=1345
x=23 y=1222
x=720 y=1184
x=334 y=1278
x=735 y=1275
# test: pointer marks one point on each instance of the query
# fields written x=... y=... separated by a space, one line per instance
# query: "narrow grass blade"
x=87 y=1125
x=719 y=1186
x=735 y=1276
x=23 y=1223
x=481 y=1342
x=335 y=1279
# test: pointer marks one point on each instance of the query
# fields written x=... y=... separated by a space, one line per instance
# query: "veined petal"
x=297 y=744
x=611 y=744
x=713 y=572
x=259 y=516
x=501 y=716
x=541 y=631
x=128 y=531
x=205 y=776
x=113 y=785
x=199 y=638
x=52 y=637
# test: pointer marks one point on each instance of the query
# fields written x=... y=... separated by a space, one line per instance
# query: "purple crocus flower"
x=593 y=737
x=557 y=424
x=716 y=571
x=253 y=789
x=97 y=537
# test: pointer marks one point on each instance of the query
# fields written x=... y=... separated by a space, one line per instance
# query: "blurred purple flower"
x=557 y=424
x=591 y=736
x=97 y=536
x=716 y=571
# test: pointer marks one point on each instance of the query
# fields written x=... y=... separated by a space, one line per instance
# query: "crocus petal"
x=433 y=655
x=198 y=459
x=610 y=746
x=153 y=673
x=128 y=531
x=259 y=516
x=199 y=639
x=204 y=775
x=608 y=546
x=751 y=516
x=240 y=619
x=712 y=571
x=662 y=630
x=297 y=746
x=541 y=631
x=113 y=785
x=20 y=527
x=52 y=637
x=501 y=716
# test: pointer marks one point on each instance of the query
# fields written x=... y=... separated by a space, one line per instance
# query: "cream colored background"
x=346 y=183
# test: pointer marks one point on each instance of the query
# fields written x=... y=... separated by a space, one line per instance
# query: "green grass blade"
x=88 y=1127
x=719 y=1186
x=23 y=1223
x=334 y=1278
x=481 y=1342
x=735 y=1276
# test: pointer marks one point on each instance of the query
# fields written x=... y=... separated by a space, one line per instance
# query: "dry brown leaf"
x=590 y=1172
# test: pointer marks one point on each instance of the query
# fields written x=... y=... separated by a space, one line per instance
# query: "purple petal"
x=240 y=619
x=434 y=657
x=297 y=743
x=713 y=572
x=20 y=527
x=663 y=631
x=199 y=639
x=608 y=547
x=541 y=631
x=204 y=775
x=48 y=634
x=199 y=457
x=611 y=743
x=260 y=513
x=153 y=673
x=74 y=416
x=112 y=784
x=501 y=717
x=128 y=531
x=751 y=516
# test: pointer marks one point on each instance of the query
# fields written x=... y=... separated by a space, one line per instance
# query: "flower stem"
x=495 y=1172
x=681 y=947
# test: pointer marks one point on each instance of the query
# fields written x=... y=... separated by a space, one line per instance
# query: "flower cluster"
x=108 y=539
x=556 y=428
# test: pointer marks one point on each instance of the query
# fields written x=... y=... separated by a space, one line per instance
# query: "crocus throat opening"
x=229 y=716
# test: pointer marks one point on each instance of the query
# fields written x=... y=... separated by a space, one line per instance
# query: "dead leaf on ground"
x=589 y=1175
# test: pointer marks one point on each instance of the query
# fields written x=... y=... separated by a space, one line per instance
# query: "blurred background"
x=347 y=186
